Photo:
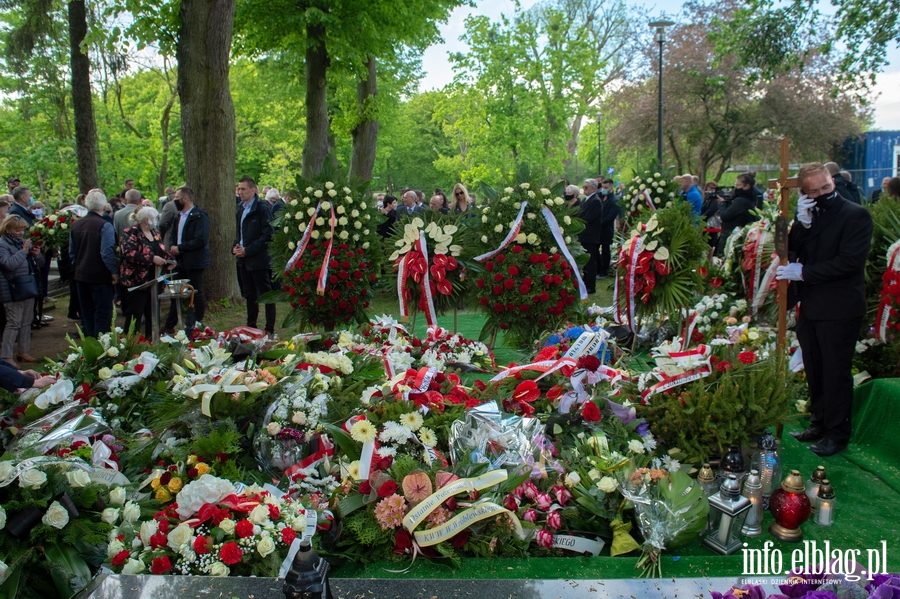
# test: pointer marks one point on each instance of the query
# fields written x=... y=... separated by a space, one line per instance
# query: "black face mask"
x=569 y=197
x=179 y=205
x=825 y=200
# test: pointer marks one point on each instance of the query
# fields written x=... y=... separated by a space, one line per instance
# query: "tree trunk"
x=166 y=140
x=315 y=147
x=365 y=134
x=82 y=99
x=207 y=129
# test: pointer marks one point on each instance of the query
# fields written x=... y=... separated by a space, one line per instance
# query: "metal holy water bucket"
x=178 y=286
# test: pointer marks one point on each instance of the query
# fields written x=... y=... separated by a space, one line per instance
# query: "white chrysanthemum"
x=412 y=420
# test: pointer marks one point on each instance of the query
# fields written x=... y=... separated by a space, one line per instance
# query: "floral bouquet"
x=657 y=266
x=441 y=349
x=328 y=249
x=531 y=280
x=214 y=528
x=751 y=262
x=52 y=231
x=427 y=258
x=647 y=192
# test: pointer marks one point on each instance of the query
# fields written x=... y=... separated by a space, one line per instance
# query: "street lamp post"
x=660 y=27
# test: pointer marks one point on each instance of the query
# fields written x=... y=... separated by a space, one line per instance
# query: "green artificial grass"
x=867 y=488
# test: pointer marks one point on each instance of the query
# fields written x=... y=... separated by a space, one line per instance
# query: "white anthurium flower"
x=418 y=222
x=456 y=250
x=441 y=248
x=661 y=254
x=432 y=227
x=450 y=229
x=651 y=246
x=410 y=233
x=394 y=256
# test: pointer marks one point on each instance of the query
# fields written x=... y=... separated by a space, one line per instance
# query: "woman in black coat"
x=738 y=214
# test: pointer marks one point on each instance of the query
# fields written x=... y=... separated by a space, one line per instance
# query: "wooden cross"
x=785 y=184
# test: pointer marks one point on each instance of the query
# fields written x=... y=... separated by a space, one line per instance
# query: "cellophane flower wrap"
x=530 y=280
x=327 y=249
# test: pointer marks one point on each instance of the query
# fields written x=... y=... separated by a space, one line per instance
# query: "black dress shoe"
x=827 y=447
x=813 y=433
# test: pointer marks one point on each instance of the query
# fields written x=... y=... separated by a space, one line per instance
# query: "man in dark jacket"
x=189 y=243
x=738 y=212
x=92 y=248
x=592 y=215
x=607 y=224
x=846 y=188
x=828 y=243
x=251 y=248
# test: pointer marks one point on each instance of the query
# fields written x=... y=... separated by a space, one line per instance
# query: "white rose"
x=521 y=238
x=179 y=536
x=112 y=352
x=635 y=446
x=517 y=205
x=607 y=484
x=484 y=239
x=365 y=246
x=498 y=228
x=33 y=478
x=4 y=571
x=2 y=518
x=318 y=193
x=206 y=489
x=57 y=516
x=326 y=205
x=294 y=202
x=110 y=515
x=298 y=418
x=131 y=512
x=484 y=219
x=148 y=529
x=117 y=496
x=340 y=210
x=259 y=514
x=218 y=569
x=265 y=546
x=273 y=428
x=64 y=226
x=114 y=548
x=329 y=185
x=227 y=525
x=78 y=478
x=133 y=566
x=342 y=221
x=559 y=201
x=354 y=213
x=104 y=373
x=572 y=479
x=314 y=234
x=6 y=469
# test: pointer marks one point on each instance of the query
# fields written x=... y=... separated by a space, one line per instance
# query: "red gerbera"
x=747 y=357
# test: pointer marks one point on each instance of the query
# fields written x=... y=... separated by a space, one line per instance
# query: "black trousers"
x=137 y=308
x=254 y=283
x=195 y=276
x=605 y=259
x=828 y=347
x=590 y=269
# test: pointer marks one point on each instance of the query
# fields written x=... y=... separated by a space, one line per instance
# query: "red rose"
x=202 y=545
x=139 y=368
x=509 y=283
x=747 y=357
x=489 y=266
x=723 y=366
x=590 y=412
x=500 y=258
x=161 y=565
x=591 y=363
x=165 y=478
x=402 y=542
x=121 y=557
x=230 y=553
x=387 y=489
x=513 y=270
x=497 y=290
x=288 y=535
x=460 y=539
x=480 y=283
x=244 y=529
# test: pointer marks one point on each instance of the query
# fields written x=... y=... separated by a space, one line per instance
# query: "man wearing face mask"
x=189 y=243
x=607 y=225
x=828 y=245
x=22 y=201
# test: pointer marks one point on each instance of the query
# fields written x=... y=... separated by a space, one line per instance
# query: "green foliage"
x=366 y=529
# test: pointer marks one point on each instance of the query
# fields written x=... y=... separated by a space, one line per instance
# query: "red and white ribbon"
x=691 y=357
x=513 y=232
x=326 y=449
x=630 y=293
x=542 y=366
x=883 y=315
x=765 y=284
x=670 y=382
x=304 y=241
x=688 y=329
x=430 y=314
x=323 y=272
x=649 y=200
x=401 y=285
x=557 y=235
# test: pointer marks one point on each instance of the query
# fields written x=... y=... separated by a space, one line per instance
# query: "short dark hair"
x=388 y=199
x=186 y=192
x=748 y=178
x=18 y=192
x=248 y=180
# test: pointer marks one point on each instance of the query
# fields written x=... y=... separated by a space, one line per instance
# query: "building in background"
x=870 y=158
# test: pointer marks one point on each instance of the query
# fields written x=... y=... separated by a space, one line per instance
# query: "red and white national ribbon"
x=630 y=293
x=323 y=272
x=688 y=329
x=542 y=366
x=557 y=235
x=513 y=232
x=674 y=381
x=691 y=357
x=401 y=285
x=430 y=314
x=326 y=449
x=883 y=315
x=765 y=284
x=304 y=241
x=649 y=200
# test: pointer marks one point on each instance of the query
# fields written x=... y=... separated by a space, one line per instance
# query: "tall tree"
x=207 y=127
x=82 y=98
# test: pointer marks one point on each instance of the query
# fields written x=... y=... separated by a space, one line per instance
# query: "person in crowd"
x=445 y=201
x=740 y=211
x=620 y=191
x=163 y=200
x=607 y=225
x=189 y=243
x=12 y=183
x=461 y=201
x=79 y=199
x=876 y=194
x=108 y=215
x=67 y=271
x=846 y=188
x=710 y=213
x=892 y=189
x=273 y=197
x=167 y=217
x=129 y=184
x=6 y=201
x=590 y=237
x=420 y=198
x=828 y=243
x=12 y=379
x=122 y=218
x=410 y=204
x=147 y=203
x=37 y=210
x=116 y=203
x=389 y=210
x=22 y=201
x=473 y=199
x=691 y=193
x=18 y=258
x=437 y=204
x=572 y=196
x=142 y=250
x=92 y=246
x=251 y=250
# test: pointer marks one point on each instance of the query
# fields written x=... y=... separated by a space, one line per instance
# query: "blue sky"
x=438 y=71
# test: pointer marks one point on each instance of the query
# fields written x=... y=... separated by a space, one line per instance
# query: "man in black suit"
x=251 y=248
x=591 y=237
x=829 y=243
x=607 y=225
x=189 y=238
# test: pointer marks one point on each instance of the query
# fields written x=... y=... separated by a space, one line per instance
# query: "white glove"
x=791 y=272
x=805 y=209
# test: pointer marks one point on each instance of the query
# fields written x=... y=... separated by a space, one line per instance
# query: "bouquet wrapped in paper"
x=488 y=435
